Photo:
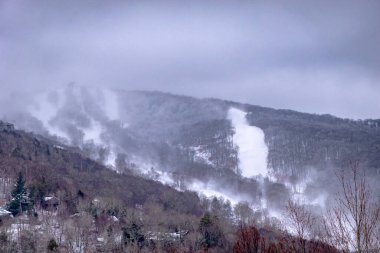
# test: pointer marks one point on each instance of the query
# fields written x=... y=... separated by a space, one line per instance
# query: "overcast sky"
x=312 y=56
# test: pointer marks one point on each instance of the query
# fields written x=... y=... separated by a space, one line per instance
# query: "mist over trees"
x=189 y=145
x=76 y=203
x=187 y=139
x=196 y=159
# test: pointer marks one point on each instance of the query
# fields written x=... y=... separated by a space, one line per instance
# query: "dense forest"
x=62 y=195
x=55 y=199
x=60 y=201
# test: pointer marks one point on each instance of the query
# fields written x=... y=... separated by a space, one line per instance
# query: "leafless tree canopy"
x=353 y=222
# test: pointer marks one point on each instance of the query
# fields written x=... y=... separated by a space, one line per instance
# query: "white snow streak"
x=253 y=151
x=210 y=190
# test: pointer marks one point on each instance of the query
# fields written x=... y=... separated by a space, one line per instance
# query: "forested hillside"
x=61 y=201
x=165 y=161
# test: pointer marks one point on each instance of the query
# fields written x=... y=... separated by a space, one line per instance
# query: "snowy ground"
x=253 y=151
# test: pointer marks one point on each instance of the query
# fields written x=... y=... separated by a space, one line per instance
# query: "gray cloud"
x=313 y=56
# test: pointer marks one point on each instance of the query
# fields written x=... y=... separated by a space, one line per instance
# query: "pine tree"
x=211 y=233
x=132 y=233
x=52 y=246
x=19 y=202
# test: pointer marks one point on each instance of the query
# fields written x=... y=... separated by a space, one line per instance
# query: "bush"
x=52 y=246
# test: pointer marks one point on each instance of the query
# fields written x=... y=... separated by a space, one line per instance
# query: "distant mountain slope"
x=300 y=140
x=191 y=143
x=51 y=169
x=295 y=140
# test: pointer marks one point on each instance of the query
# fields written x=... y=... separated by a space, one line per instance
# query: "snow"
x=253 y=151
x=59 y=147
x=111 y=159
x=158 y=236
x=48 y=105
x=4 y=212
x=165 y=178
x=210 y=190
x=201 y=155
x=253 y=154
x=299 y=194
x=94 y=133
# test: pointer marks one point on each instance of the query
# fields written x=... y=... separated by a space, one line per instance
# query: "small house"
x=50 y=202
x=4 y=215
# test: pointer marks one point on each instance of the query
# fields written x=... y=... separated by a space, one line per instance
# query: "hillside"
x=74 y=204
x=90 y=200
x=190 y=143
x=59 y=168
x=161 y=164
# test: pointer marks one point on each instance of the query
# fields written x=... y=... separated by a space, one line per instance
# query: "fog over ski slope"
x=120 y=130
x=64 y=113
x=177 y=109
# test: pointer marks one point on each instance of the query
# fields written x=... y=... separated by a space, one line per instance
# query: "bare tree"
x=248 y=240
x=302 y=221
x=353 y=221
x=244 y=212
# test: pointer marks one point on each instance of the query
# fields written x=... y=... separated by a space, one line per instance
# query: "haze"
x=312 y=56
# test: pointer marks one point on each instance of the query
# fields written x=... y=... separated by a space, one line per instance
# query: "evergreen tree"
x=19 y=202
x=52 y=246
x=211 y=233
x=132 y=233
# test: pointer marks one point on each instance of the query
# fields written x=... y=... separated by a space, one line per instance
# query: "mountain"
x=50 y=168
x=131 y=170
x=71 y=203
x=237 y=151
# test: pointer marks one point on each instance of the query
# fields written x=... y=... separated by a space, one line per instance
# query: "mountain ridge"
x=116 y=145
x=190 y=143
x=21 y=151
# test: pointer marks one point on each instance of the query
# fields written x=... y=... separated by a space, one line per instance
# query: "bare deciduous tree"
x=244 y=212
x=353 y=221
x=302 y=221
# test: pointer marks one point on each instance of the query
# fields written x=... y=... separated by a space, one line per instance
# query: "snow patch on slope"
x=93 y=133
x=211 y=190
x=202 y=155
x=253 y=151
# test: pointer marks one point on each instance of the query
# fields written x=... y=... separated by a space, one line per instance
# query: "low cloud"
x=314 y=56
